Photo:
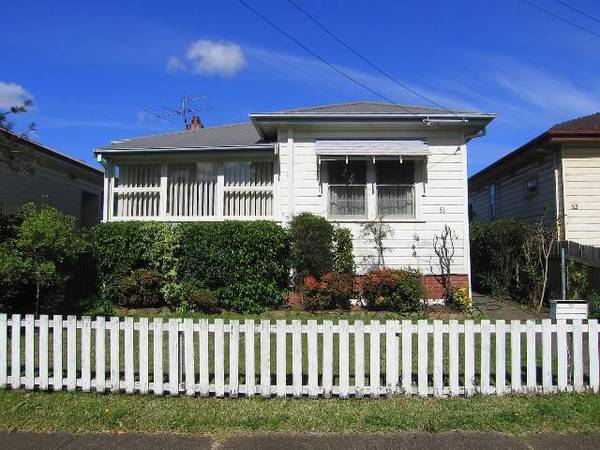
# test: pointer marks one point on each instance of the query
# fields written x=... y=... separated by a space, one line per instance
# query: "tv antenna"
x=184 y=112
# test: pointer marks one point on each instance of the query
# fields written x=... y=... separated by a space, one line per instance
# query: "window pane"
x=355 y=172
x=347 y=201
x=191 y=189
x=248 y=188
x=395 y=172
x=396 y=200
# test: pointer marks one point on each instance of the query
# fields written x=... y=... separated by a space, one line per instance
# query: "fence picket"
x=359 y=358
x=173 y=356
x=57 y=359
x=407 y=357
x=143 y=354
x=15 y=351
x=391 y=356
x=249 y=355
x=203 y=357
x=327 y=358
x=128 y=354
x=515 y=356
x=561 y=352
x=500 y=357
x=438 y=359
x=422 y=360
x=219 y=358
x=281 y=358
x=577 y=356
x=296 y=358
x=453 y=357
x=234 y=341
x=29 y=351
x=3 y=351
x=115 y=369
x=157 y=359
x=86 y=355
x=43 y=352
x=190 y=367
x=546 y=355
x=313 y=357
x=531 y=358
x=265 y=358
x=71 y=353
x=374 y=363
x=485 y=357
x=469 y=358
x=593 y=355
x=344 y=364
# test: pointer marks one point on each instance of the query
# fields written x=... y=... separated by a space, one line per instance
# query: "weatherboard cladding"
x=371 y=147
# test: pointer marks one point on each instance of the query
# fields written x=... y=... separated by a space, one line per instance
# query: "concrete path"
x=504 y=309
x=409 y=441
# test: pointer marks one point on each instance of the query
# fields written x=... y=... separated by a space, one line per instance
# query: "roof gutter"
x=137 y=150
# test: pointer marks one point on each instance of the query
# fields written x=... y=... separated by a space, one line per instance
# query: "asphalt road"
x=410 y=441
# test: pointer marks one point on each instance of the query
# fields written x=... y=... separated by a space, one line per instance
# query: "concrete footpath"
x=430 y=441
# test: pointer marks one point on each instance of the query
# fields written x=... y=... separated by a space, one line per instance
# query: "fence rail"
x=297 y=358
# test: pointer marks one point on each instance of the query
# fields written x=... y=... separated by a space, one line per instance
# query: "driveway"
x=410 y=441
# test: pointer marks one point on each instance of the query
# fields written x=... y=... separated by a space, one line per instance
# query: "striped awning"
x=372 y=148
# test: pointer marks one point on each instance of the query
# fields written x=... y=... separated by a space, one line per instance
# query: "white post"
x=265 y=358
x=249 y=355
x=344 y=363
x=281 y=358
x=327 y=358
x=422 y=369
x=407 y=357
x=312 y=354
x=100 y=372
x=86 y=353
x=157 y=336
x=234 y=339
x=15 y=339
x=500 y=357
x=453 y=357
x=43 y=343
x=359 y=358
x=374 y=365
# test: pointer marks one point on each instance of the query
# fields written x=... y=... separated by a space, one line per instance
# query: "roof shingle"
x=584 y=123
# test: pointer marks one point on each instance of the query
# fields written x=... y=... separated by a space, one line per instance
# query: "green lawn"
x=77 y=412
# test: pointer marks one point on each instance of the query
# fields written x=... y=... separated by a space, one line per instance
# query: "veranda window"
x=191 y=189
x=395 y=184
x=137 y=190
x=248 y=188
x=347 y=188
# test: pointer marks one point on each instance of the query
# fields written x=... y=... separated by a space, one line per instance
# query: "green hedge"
x=245 y=263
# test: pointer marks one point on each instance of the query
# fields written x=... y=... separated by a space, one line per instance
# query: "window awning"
x=372 y=148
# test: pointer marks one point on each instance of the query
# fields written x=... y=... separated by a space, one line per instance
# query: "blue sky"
x=94 y=69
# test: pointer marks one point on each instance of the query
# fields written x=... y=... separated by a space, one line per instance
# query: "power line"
x=562 y=19
x=364 y=58
x=577 y=10
x=320 y=58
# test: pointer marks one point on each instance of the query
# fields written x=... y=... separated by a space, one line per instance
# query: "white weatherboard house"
x=351 y=162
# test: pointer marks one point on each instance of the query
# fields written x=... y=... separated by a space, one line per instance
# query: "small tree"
x=443 y=245
x=311 y=240
x=377 y=231
x=46 y=241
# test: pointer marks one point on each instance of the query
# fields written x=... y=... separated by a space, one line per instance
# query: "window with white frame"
x=395 y=185
x=193 y=190
x=136 y=190
x=248 y=188
x=347 y=188
x=369 y=189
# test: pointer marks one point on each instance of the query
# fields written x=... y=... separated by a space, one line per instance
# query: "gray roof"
x=242 y=134
x=370 y=107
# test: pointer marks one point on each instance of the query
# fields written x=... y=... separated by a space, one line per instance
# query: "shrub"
x=140 y=289
x=119 y=248
x=393 y=290
x=343 y=259
x=335 y=290
x=460 y=300
x=246 y=263
x=594 y=305
x=197 y=299
x=579 y=277
x=312 y=245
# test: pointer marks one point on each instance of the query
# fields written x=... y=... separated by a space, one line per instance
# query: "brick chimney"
x=195 y=124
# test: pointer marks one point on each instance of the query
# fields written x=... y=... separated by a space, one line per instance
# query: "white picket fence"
x=299 y=359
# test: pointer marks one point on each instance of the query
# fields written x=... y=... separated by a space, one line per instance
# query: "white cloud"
x=12 y=94
x=218 y=58
x=174 y=64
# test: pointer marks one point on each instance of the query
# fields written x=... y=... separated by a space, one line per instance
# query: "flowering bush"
x=393 y=290
x=460 y=300
x=334 y=290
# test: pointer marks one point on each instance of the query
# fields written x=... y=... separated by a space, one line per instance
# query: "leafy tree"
x=34 y=263
x=17 y=154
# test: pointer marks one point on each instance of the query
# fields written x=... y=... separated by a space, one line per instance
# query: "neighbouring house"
x=352 y=163
x=556 y=174
x=32 y=172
